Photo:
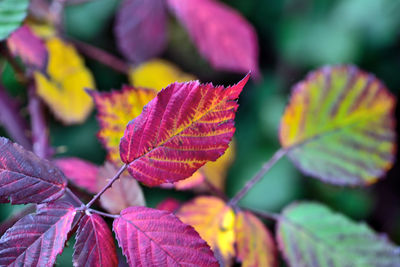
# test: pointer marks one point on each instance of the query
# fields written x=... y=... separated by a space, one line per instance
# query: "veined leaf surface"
x=310 y=234
x=185 y=126
x=220 y=33
x=12 y=13
x=26 y=178
x=214 y=220
x=150 y=237
x=37 y=239
x=255 y=245
x=339 y=126
x=94 y=243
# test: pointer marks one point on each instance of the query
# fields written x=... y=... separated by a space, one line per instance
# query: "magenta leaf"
x=150 y=237
x=182 y=128
x=37 y=239
x=80 y=172
x=26 y=178
x=94 y=243
x=220 y=33
x=141 y=29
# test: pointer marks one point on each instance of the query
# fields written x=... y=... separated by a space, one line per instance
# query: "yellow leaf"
x=255 y=245
x=214 y=220
x=64 y=88
x=157 y=74
x=42 y=29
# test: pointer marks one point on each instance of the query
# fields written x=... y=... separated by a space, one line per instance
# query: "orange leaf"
x=214 y=221
x=255 y=245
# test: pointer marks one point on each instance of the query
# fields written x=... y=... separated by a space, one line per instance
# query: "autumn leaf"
x=141 y=29
x=310 y=234
x=186 y=125
x=220 y=33
x=94 y=243
x=255 y=245
x=124 y=193
x=114 y=110
x=169 y=204
x=64 y=88
x=37 y=239
x=214 y=220
x=26 y=178
x=150 y=237
x=157 y=74
x=339 y=126
x=25 y=44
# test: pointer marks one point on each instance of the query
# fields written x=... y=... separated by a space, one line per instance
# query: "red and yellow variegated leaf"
x=25 y=44
x=214 y=220
x=37 y=239
x=157 y=74
x=150 y=237
x=185 y=126
x=340 y=127
x=114 y=111
x=124 y=193
x=80 y=172
x=64 y=88
x=169 y=204
x=141 y=28
x=26 y=178
x=94 y=243
x=255 y=245
x=220 y=33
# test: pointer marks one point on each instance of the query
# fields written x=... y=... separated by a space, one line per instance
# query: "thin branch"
x=101 y=56
x=265 y=214
x=40 y=135
x=256 y=178
x=10 y=118
x=108 y=185
x=103 y=213
x=216 y=191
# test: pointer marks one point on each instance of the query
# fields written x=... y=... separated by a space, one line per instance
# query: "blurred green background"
x=295 y=36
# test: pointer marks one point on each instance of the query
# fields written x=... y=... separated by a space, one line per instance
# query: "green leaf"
x=340 y=127
x=12 y=13
x=310 y=234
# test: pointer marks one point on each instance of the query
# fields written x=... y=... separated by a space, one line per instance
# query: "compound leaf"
x=186 y=125
x=150 y=237
x=214 y=220
x=310 y=234
x=12 y=13
x=26 y=178
x=339 y=126
x=141 y=29
x=37 y=239
x=25 y=44
x=64 y=88
x=255 y=245
x=220 y=33
x=94 y=243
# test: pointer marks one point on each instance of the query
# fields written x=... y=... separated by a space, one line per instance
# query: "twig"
x=265 y=214
x=256 y=178
x=108 y=185
x=103 y=213
x=215 y=190
x=38 y=125
x=10 y=118
x=101 y=56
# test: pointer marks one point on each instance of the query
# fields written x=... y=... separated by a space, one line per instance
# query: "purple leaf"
x=37 y=239
x=141 y=29
x=26 y=178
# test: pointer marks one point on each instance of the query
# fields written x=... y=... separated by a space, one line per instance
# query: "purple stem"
x=10 y=118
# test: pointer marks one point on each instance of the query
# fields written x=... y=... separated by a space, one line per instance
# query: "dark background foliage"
x=295 y=36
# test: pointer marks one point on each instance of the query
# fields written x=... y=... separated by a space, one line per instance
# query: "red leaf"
x=29 y=47
x=80 y=172
x=150 y=237
x=141 y=29
x=94 y=243
x=185 y=126
x=169 y=204
x=26 y=178
x=37 y=239
x=221 y=34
